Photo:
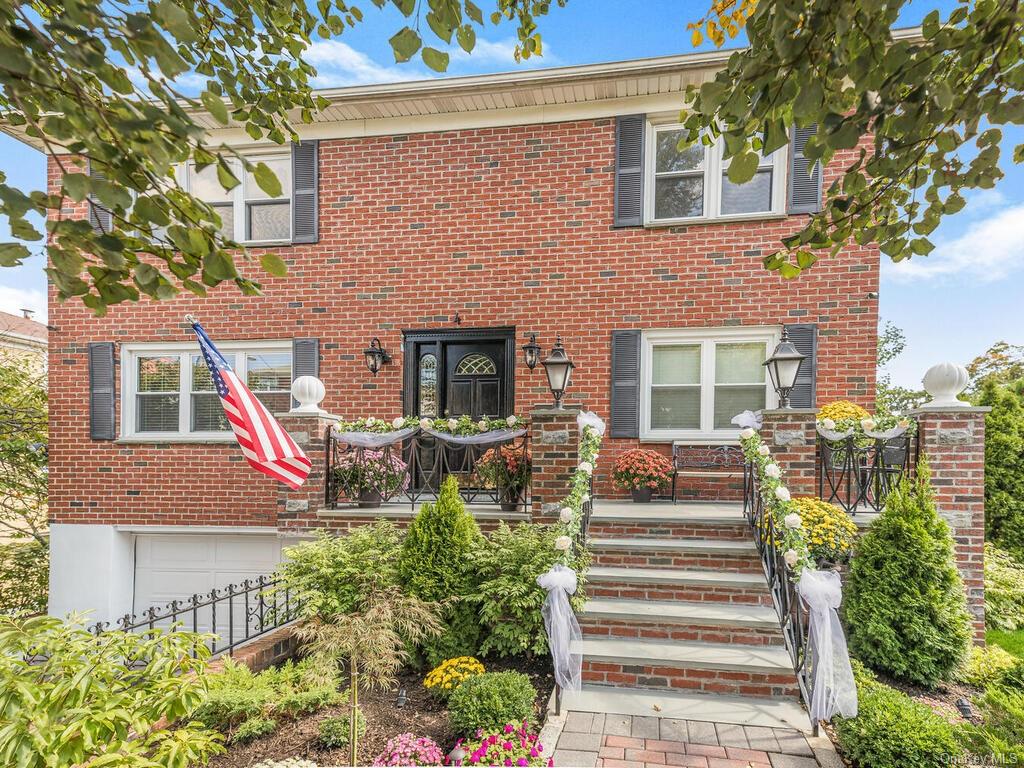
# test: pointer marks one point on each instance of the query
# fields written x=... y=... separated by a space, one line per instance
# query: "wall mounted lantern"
x=558 y=367
x=375 y=356
x=531 y=352
x=783 y=367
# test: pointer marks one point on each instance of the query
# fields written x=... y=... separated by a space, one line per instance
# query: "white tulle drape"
x=560 y=622
x=834 y=689
x=591 y=419
x=748 y=419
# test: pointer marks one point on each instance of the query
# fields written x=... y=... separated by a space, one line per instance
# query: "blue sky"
x=952 y=305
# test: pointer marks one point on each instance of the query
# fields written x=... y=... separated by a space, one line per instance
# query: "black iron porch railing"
x=793 y=615
x=235 y=614
x=857 y=472
x=411 y=471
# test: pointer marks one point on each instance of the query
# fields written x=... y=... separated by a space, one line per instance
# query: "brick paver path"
x=621 y=741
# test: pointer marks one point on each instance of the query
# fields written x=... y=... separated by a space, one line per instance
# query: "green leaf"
x=274 y=265
x=216 y=106
x=742 y=167
x=12 y=254
x=405 y=43
x=76 y=185
x=219 y=266
x=266 y=180
x=466 y=36
x=789 y=271
x=175 y=20
x=226 y=176
x=435 y=59
x=473 y=11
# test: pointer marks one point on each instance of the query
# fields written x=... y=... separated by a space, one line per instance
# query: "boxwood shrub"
x=490 y=701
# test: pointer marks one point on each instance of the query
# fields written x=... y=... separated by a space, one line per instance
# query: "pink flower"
x=509 y=728
x=506 y=745
x=534 y=752
x=522 y=761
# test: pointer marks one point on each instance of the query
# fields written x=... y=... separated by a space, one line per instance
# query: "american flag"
x=264 y=443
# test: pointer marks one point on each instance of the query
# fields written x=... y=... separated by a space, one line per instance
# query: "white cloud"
x=500 y=52
x=989 y=249
x=13 y=300
x=339 y=64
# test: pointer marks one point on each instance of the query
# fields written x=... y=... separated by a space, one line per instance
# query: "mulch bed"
x=422 y=715
x=942 y=699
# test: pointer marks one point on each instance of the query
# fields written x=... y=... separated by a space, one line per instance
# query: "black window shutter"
x=804 y=337
x=305 y=192
x=804 y=187
x=100 y=218
x=630 y=131
x=625 y=416
x=101 y=390
x=305 y=359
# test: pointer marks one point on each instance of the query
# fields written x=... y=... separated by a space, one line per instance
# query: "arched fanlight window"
x=428 y=386
x=475 y=364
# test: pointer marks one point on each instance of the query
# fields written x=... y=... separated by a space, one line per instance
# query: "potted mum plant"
x=506 y=468
x=369 y=476
x=642 y=471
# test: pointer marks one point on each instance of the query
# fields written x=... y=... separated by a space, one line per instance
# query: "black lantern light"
x=783 y=367
x=531 y=352
x=558 y=367
x=375 y=356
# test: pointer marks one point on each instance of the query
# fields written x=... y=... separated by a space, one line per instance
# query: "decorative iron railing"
x=412 y=469
x=234 y=614
x=793 y=615
x=857 y=472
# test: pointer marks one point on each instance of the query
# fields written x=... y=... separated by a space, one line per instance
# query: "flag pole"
x=191 y=319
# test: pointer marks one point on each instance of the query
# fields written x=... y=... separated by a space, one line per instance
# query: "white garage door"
x=175 y=567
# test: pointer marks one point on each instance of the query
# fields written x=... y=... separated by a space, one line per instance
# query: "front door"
x=474 y=374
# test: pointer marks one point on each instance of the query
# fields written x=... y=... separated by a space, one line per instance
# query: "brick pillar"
x=953 y=440
x=791 y=436
x=296 y=509
x=554 y=442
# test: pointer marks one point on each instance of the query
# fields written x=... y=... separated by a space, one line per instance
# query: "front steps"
x=679 y=609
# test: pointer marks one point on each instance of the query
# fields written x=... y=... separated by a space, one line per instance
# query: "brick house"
x=450 y=219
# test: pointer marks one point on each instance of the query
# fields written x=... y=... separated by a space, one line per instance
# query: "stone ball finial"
x=944 y=382
x=309 y=391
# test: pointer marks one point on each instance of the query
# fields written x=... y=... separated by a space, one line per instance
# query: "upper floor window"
x=246 y=212
x=692 y=183
x=168 y=392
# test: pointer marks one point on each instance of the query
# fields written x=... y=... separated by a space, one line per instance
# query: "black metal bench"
x=705 y=461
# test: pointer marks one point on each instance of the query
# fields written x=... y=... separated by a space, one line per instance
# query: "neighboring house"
x=451 y=219
x=22 y=336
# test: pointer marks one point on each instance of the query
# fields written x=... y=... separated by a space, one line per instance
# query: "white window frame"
x=240 y=198
x=707 y=338
x=130 y=354
x=714 y=168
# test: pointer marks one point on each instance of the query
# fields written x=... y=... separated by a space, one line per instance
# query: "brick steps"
x=677 y=620
x=677 y=584
x=692 y=554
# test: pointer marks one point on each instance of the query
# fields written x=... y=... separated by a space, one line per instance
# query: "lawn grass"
x=1008 y=641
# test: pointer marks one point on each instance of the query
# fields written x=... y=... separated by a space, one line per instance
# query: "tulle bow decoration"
x=563 y=630
x=748 y=420
x=834 y=689
x=591 y=419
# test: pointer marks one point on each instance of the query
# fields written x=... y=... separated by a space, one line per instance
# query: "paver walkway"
x=624 y=741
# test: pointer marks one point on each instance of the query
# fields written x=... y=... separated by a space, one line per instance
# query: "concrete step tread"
x=726 y=614
x=680 y=545
x=718 y=512
x=690 y=654
x=703 y=707
x=610 y=573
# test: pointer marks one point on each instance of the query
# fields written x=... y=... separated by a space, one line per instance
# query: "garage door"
x=175 y=567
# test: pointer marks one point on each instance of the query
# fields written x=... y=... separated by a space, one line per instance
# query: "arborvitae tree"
x=905 y=606
x=434 y=567
x=1004 y=465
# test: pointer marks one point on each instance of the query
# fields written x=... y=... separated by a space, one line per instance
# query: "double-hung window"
x=691 y=184
x=168 y=392
x=694 y=381
x=247 y=213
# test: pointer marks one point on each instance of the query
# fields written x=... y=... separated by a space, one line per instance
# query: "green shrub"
x=24 y=576
x=434 y=565
x=1002 y=730
x=507 y=564
x=891 y=730
x=490 y=701
x=334 y=731
x=984 y=666
x=1014 y=676
x=1004 y=590
x=252 y=729
x=310 y=700
x=328 y=574
x=905 y=605
x=1004 y=466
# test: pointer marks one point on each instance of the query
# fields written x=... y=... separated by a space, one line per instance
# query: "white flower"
x=793 y=521
x=763 y=450
x=482 y=425
x=585 y=498
x=782 y=493
x=586 y=467
x=565 y=514
x=774 y=471
x=563 y=543
x=370 y=421
x=512 y=421
x=426 y=423
x=791 y=557
x=828 y=424
x=867 y=424
x=452 y=423
x=746 y=433
x=398 y=422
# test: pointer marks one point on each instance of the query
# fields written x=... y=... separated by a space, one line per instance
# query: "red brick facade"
x=505 y=227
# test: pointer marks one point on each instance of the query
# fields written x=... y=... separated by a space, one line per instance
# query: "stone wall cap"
x=951 y=409
x=307 y=415
x=789 y=412
x=550 y=410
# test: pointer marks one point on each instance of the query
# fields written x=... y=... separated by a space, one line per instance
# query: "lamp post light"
x=558 y=367
x=783 y=367
x=375 y=356
x=531 y=352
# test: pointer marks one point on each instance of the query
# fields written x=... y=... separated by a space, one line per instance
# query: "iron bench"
x=705 y=461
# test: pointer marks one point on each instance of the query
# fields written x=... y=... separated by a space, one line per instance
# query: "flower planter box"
x=641 y=495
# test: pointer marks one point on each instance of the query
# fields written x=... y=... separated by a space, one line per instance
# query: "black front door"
x=474 y=374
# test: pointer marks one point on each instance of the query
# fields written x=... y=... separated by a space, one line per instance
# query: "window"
x=475 y=364
x=169 y=392
x=428 y=386
x=246 y=212
x=694 y=381
x=692 y=183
